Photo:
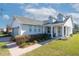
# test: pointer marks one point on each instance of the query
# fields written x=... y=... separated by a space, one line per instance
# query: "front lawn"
x=3 y=49
x=68 y=47
x=3 y=35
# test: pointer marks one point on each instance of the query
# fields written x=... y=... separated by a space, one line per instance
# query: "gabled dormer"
x=51 y=19
x=60 y=17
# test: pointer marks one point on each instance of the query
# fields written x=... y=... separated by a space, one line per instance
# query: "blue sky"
x=37 y=10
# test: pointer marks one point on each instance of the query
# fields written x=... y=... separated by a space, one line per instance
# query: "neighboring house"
x=59 y=27
x=9 y=29
x=1 y=29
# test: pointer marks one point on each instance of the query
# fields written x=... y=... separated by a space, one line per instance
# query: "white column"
x=62 y=31
x=66 y=31
x=56 y=29
x=51 y=31
x=43 y=29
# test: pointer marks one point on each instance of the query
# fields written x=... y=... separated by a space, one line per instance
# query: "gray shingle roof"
x=56 y=22
x=66 y=18
x=26 y=20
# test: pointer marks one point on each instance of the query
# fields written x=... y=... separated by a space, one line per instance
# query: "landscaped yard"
x=58 y=48
x=3 y=50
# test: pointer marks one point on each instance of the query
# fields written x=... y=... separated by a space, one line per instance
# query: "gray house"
x=59 y=27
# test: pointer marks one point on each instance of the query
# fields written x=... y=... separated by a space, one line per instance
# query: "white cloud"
x=29 y=5
x=5 y=17
x=37 y=17
x=75 y=17
x=37 y=12
x=75 y=6
x=42 y=13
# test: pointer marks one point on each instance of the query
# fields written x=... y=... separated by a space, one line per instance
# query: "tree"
x=76 y=28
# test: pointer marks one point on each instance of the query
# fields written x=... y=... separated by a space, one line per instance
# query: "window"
x=39 y=29
x=59 y=31
x=30 y=28
x=35 y=29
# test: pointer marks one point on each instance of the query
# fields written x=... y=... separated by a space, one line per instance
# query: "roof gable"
x=69 y=22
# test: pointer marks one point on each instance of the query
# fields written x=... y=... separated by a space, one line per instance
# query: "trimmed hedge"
x=39 y=37
x=20 y=39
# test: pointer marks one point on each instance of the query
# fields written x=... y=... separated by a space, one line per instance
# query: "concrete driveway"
x=5 y=39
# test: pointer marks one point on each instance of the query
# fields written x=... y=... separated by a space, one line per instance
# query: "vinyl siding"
x=35 y=29
x=70 y=25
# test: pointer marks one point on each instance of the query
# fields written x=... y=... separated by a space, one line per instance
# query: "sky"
x=38 y=11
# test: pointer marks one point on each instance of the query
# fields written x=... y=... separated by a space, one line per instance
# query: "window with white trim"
x=30 y=28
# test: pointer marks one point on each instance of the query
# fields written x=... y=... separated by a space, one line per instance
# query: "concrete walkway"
x=16 y=51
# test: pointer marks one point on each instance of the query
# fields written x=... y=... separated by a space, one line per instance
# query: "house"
x=9 y=29
x=59 y=27
x=1 y=29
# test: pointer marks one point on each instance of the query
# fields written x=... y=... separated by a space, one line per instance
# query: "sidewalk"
x=16 y=51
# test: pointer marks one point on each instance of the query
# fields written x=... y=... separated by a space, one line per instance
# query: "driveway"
x=5 y=39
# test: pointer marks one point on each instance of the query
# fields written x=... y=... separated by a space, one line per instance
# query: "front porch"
x=57 y=31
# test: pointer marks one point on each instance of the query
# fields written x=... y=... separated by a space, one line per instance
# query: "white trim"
x=66 y=31
x=62 y=31
x=56 y=31
x=43 y=31
x=51 y=31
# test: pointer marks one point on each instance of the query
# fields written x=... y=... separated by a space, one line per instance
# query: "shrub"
x=21 y=39
x=13 y=38
x=39 y=37
x=30 y=39
x=45 y=36
x=71 y=35
x=65 y=38
x=22 y=45
x=59 y=39
x=35 y=41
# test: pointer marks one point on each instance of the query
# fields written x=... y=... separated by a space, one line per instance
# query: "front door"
x=59 y=31
x=54 y=34
x=48 y=31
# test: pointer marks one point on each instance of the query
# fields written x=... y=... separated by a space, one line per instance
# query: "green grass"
x=3 y=35
x=68 y=47
x=3 y=50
